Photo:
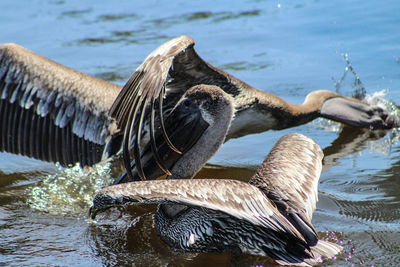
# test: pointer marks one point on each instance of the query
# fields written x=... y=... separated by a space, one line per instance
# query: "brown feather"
x=42 y=103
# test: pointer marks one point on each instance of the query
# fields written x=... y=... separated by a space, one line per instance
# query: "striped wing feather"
x=232 y=197
x=289 y=177
x=168 y=71
x=51 y=112
x=174 y=67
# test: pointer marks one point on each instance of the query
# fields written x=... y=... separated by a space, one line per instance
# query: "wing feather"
x=236 y=198
x=168 y=71
x=44 y=102
x=289 y=176
x=144 y=86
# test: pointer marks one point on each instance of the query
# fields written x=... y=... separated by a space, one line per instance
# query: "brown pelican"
x=54 y=113
x=269 y=216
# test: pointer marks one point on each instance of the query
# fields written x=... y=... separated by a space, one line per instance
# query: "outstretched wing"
x=289 y=177
x=238 y=199
x=51 y=112
x=171 y=69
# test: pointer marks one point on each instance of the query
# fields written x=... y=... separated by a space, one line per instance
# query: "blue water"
x=288 y=48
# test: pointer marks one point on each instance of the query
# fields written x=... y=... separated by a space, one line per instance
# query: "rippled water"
x=284 y=47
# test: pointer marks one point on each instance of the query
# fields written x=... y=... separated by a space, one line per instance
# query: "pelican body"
x=54 y=113
x=269 y=216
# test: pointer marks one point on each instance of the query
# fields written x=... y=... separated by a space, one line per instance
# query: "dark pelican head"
x=201 y=118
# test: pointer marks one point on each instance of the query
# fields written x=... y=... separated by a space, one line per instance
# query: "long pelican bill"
x=357 y=114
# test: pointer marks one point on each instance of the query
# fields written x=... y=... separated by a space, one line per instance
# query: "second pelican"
x=270 y=216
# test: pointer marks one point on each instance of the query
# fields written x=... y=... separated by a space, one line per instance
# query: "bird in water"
x=268 y=216
x=54 y=113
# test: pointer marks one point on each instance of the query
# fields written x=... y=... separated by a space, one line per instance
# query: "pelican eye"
x=186 y=102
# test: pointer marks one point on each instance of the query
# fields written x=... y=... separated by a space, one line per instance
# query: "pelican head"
x=197 y=126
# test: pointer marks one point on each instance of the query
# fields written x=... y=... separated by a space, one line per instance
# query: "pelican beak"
x=357 y=114
x=184 y=125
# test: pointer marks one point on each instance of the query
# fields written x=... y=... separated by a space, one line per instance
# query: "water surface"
x=284 y=47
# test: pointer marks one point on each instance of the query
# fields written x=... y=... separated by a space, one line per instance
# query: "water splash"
x=379 y=99
x=358 y=89
x=384 y=145
x=70 y=190
x=350 y=84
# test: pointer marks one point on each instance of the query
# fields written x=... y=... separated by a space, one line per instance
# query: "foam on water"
x=70 y=190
